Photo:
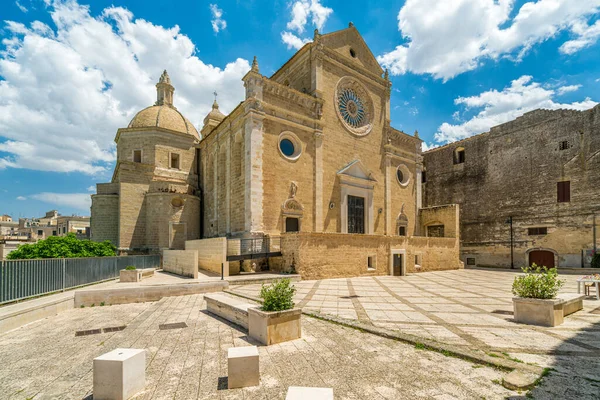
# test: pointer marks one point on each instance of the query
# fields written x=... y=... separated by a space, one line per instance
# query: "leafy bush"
x=278 y=296
x=62 y=247
x=596 y=260
x=130 y=268
x=537 y=283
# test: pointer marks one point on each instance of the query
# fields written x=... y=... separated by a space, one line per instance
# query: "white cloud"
x=586 y=34
x=301 y=12
x=447 y=38
x=66 y=89
x=21 y=7
x=21 y=198
x=566 y=89
x=91 y=188
x=498 y=107
x=217 y=22
x=293 y=41
x=80 y=201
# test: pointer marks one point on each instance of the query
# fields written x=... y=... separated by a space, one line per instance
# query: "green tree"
x=63 y=247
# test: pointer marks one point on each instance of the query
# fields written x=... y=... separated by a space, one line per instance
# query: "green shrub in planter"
x=278 y=296
x=537 y=283
x=596 y=260
x=130 y=268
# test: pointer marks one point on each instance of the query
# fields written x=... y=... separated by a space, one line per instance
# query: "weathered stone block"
x=274 y=327
x=119 y=374
x=243 y=367
x=312 y=393
x=130 y=276
x=544 y=312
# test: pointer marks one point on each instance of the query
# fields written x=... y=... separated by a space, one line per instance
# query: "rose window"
x=351 y=108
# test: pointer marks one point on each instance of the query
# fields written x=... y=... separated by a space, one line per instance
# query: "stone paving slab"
x=45 y=360
x=470 y=308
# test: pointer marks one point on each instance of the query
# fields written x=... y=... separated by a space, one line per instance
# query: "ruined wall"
x=513 y=170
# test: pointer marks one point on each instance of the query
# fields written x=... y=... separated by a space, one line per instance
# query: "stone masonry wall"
x=211 y=253
x=512 y=171
x=105 y=218
x=181 y=262
x=332 y=255
x=446 y=215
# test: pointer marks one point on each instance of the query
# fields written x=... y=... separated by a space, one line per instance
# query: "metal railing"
x=21 y=279
x=257 y=247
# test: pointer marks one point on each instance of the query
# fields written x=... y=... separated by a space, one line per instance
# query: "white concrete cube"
x=311 y=393
x=242 y=367
x=119 y=374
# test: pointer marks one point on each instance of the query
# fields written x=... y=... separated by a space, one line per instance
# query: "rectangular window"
x=461 y=157
x=40 y=232
x=371 y=262
x=137 y=156
x=402 y=231
x=424 y=177
x=435 y=231
x=292 y=224
x=564 y=145
x=537 y=231
x=356 y=214
x=174 y=160
x=470 y=261
x=53 y=233
x=563 y=191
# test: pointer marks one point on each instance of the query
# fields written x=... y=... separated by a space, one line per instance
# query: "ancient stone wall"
x=448 y=216
x=105 y=218
x=513 y=171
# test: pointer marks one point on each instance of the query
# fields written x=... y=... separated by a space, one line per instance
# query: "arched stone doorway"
x=542 y=258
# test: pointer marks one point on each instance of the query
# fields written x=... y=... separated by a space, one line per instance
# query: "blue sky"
x=71 y=72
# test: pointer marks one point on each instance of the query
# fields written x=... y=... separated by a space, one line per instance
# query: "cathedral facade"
x=309 y=156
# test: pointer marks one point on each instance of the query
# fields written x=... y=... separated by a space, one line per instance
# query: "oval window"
x=287 y=147
x=403 y=175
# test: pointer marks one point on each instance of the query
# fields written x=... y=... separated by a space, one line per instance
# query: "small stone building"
x=540 y=171
x=308 y=159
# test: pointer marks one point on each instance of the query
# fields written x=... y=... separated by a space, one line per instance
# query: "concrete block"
x=243 y=367
x=119 y=374
x=519 y=380
x=573 y=303
x=312 y=393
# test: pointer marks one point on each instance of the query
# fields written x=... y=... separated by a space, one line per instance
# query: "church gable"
x=351 y=45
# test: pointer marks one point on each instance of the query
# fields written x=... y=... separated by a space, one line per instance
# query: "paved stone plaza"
x=469 y=308
x=46 y=360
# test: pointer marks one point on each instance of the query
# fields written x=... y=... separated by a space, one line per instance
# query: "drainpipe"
x=594 y=230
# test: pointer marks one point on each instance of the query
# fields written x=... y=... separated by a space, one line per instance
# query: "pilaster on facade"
x=253 y=136
x=388 y=194
x=228 y=184
x=318 y=214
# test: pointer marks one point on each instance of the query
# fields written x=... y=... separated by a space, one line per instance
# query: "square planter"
x=134 y=275
x=544 y=312
x=274 y=327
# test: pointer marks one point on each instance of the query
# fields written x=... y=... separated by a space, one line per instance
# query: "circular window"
x=354 y=106
x=403 y=175
x=289 y=146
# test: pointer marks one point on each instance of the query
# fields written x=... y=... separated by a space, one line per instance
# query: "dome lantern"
x=164 y=90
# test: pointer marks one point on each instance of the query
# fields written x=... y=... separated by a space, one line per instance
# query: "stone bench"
x=230 y=308
x=572 y=303
x=148 y=272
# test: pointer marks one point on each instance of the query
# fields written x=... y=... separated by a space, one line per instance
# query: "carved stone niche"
x=291 y=208
x=402 y=223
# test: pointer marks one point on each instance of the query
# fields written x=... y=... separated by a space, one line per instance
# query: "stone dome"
x=163 y=116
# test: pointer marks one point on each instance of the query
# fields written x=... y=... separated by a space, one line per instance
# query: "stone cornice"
x=310 y=103
x=286 y=116
x=154 y=129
